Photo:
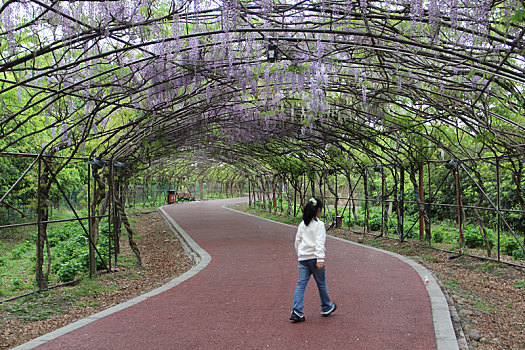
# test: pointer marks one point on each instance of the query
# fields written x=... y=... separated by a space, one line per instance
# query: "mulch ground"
x=163 y=259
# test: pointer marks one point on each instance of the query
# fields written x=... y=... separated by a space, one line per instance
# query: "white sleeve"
x=320 y=241
x=298 y=237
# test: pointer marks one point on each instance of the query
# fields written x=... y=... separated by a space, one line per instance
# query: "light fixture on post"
x=452 y=163
x=118 y=164
x=272 y=53
x=97 y=163
x=378 y=167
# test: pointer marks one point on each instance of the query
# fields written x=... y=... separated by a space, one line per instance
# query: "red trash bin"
x=171 y=197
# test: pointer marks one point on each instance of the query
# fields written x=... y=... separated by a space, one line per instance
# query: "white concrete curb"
x=194 y=251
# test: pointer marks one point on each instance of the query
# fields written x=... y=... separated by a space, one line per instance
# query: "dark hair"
x=310 y=210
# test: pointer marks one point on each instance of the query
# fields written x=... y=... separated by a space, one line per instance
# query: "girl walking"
x=309 y=245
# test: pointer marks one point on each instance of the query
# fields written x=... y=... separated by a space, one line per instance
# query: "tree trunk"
x=482 y=229
x=333 y=192
x=124 y=218
x=517 y=176
x=274 y=198
x=100 y=197
x=367 y=204
x=42 y=240
x=351 y=190
x=384 y=216
x=424 y=219
x=459 y=206
x=401 y=205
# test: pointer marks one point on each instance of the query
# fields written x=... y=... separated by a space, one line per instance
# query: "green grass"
x=87 y=286
x=519 y=284
x=430 y=258
x=17 y=271
x=482 y=305
x=126 y=261
x=487 y=266
x=36 y=307
x=452 y=284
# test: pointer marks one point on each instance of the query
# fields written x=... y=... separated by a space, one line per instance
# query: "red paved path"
x=243 y=298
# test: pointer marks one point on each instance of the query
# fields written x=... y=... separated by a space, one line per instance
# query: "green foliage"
x=519 y=284
x=473 y=238
x=20 y=250
x=519 y=16
x=71 y=250
x=438 y=234
x=508 y=244
x=410 y=230
x=518 y=254
x=374 y=220
x=68 y=270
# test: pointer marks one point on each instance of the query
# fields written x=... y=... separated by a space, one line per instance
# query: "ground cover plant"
x=70 y=259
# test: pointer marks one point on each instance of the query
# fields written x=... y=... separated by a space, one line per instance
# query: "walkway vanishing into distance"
x=240 y=294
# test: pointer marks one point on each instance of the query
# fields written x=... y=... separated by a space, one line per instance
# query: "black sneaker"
x=296 y=318
x=327 y=313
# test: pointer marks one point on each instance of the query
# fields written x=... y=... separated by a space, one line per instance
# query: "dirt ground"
x=163 y=259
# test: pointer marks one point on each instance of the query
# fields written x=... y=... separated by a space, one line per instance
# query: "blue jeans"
x=307 y=268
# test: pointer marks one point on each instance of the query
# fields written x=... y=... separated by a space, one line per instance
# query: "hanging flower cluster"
x=203 y=64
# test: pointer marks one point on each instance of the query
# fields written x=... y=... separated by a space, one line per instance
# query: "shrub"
x=451 y=237
x=374 y=220
x=411 y=230
x=518 y=254
x=508 y=245
x=438 y=234
x=71 y=251
x=68 y=270
x=473 y=238
x=63 y=233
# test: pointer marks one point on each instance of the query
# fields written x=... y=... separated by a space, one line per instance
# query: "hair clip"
x=314 y=202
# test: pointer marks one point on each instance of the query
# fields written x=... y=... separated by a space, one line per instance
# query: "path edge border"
x=446 y=338
x=195 y=252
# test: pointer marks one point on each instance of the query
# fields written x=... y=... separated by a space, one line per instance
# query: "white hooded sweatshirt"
x=310 y=240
